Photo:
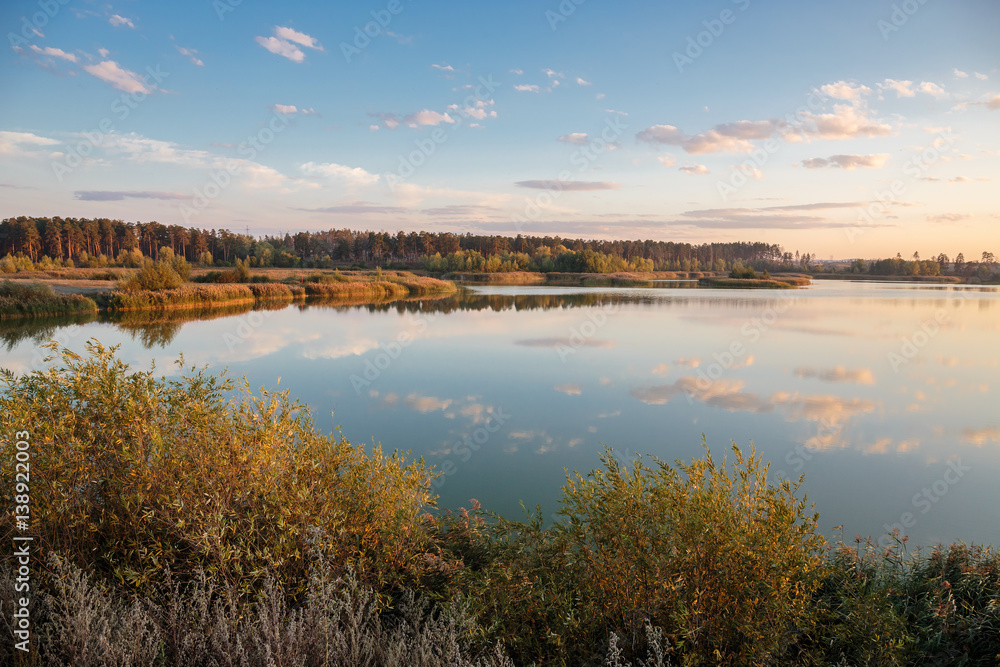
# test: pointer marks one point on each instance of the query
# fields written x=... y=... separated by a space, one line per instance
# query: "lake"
x=883 y=395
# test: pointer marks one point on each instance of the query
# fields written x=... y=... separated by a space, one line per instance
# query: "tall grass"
x=340 y=623
x=19 y=299
x=390 y=285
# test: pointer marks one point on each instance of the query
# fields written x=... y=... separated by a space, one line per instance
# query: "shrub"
x=724 y=562
x=136 y=474
x=153 y=276
x=19 y=299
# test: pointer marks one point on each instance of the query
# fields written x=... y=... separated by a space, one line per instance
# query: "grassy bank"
x=22 y=299
x=289 y=546
x=373 y=287
x=752 y=283
x=888 y=279
x=621 y=279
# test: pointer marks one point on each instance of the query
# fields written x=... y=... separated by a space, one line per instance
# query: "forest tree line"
x=100 y=242
x=81 y=239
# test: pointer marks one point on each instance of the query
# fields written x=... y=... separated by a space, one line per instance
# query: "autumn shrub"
x=24 y=299
x=153 y=276
x=134 y=473
x=723 y=561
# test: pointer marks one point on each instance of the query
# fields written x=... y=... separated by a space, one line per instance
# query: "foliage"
x=167 y=273
x=23 y=299
x=723 y=562
x=133 y=474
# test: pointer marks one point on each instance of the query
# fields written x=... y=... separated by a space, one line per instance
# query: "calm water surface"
x=883 y=395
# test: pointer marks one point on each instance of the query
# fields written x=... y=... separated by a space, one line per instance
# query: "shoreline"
x=58 y=297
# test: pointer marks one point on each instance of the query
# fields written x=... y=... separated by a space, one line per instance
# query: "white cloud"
x=667 y=160
x=578 y=138
x=843 y=90
x=282 y=48
x=444 y=68
x=552 y=74
x=847 y=121
x=118 y=76
x=284 y=43
x=141 y=150
x=960 y=74
x=54 y=52
x=698 y=169
x=981 y=77
x=192 y=54
x=479 y=111
x=582 y=82
x=518 y=72
x=848 y=162
x=351 y=175
x=286 y=109
x=427 y=117
x=20 y=143
x=932 y=89
x=902 y=88
x=118 y=21
x=300 y=38
x=524 y=88
x=104 y=52
x=994 y=103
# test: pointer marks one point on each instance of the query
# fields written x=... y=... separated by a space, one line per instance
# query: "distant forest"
x=104 y=242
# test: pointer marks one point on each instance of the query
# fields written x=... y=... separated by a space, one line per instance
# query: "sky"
x=849 y=129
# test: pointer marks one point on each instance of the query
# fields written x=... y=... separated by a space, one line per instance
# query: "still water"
x=884 y=396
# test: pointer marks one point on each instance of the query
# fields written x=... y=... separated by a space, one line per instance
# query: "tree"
x=959 y=263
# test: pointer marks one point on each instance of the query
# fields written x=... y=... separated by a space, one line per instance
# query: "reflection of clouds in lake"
x=981 y=436
x=356 y=348
x=837 y=374
x=571 y=389
x=426 y=403
x=890 y=445
x=830 y=409
x=729 y=395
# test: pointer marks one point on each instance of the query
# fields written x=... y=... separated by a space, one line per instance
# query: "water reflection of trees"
x=160 y=327
x=547 y=301
x=38 y=329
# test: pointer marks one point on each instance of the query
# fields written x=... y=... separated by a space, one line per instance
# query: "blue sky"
x=847 y=129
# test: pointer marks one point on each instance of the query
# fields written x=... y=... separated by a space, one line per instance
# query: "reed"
x=20 y=299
